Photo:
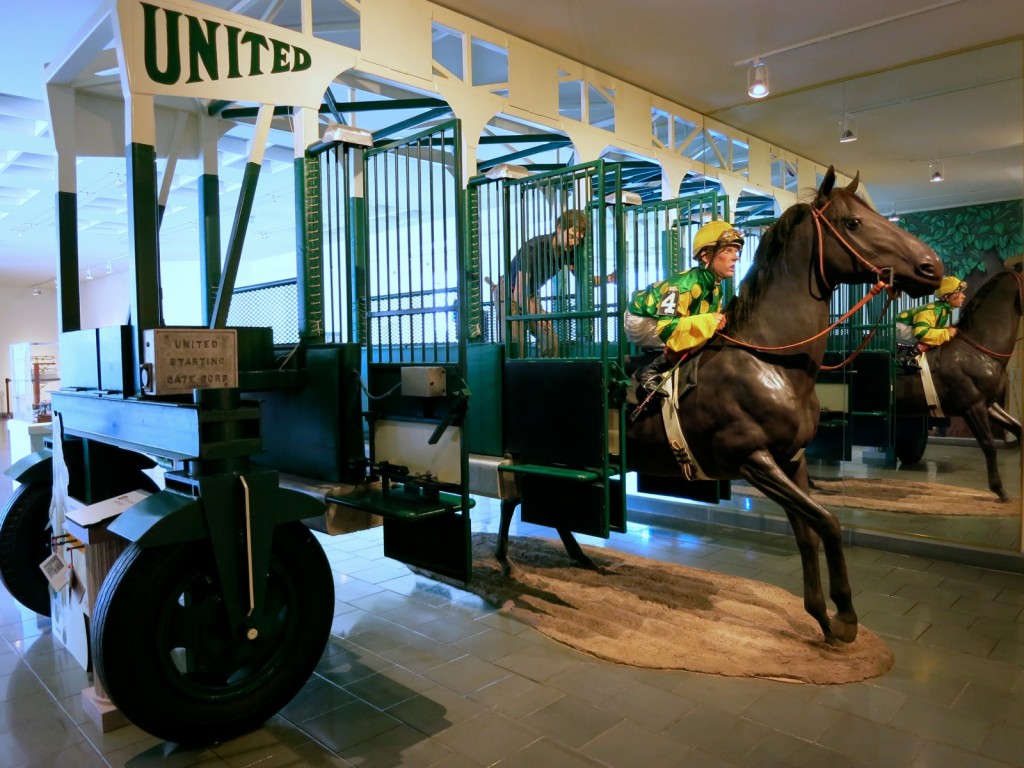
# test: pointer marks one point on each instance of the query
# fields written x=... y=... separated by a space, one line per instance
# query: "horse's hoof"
x=843 y=630
x=586 y=563
x=1003 y=497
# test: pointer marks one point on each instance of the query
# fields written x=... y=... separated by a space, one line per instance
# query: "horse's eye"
x=852 y=223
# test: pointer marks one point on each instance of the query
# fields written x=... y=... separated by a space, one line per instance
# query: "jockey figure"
x=920 y=328
x=683 y=312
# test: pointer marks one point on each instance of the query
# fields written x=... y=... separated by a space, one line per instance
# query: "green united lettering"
x=247 y=53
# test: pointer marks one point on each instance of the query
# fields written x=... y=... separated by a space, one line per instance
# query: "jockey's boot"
x=906 y=357
x=650 y=377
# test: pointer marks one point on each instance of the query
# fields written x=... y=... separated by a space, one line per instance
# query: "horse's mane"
x=979 y=298
x=766 y=261
x=773 y=242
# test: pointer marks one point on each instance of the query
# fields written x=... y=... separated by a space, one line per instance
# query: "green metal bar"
x=332 y=105
x=529 y=138
x=217 y=106
x=69 y=303
x=243 y=112
x=144 y=268
x=383 y=134
x=357 y=269
x=235 y=243
x=488 y=164
x=348 y=106
x=209 y=241
x=308 y=246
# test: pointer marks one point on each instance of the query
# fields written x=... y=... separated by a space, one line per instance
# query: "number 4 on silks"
x=669 y=303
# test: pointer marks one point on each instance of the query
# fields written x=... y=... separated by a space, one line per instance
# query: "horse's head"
x=998 y=302
x=856 y=244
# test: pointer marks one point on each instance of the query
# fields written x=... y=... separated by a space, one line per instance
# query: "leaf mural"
x=963 y=236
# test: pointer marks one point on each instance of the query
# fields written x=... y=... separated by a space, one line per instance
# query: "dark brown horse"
x=754 y=408
x=969 y=372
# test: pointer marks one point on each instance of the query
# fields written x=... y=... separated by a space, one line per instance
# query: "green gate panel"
x=483 y=429
x=315 y=430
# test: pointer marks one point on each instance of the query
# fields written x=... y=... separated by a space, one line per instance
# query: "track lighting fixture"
x=936 y=173
x=757 y=80
x=847 y=130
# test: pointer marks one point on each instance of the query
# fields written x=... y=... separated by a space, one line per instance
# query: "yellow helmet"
x=950 y=285
x=716 y=234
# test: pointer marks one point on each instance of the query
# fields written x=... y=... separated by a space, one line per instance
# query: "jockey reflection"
x=920 y=328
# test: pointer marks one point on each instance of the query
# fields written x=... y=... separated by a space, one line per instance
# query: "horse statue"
x=969 y=372
x=754 y=408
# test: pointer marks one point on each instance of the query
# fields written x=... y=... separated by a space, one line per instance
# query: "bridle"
x=819 y=219
x=1002 y=355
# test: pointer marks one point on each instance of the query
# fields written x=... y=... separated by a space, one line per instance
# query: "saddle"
x=640 y=392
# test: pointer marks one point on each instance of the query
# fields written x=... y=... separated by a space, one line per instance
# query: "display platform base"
x=102 y=712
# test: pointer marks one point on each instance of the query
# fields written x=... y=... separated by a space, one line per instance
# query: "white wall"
x=24 y=317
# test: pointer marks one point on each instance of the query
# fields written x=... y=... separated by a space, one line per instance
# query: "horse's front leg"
x=977 y=420
x=508 y=508
x=575 y=551
x=811 y=523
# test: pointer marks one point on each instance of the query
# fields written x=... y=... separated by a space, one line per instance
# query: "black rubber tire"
x=163 y=652
x=24 y=543
x=911 y=439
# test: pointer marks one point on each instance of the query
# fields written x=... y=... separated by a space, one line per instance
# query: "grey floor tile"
x=466 y=674
x=435 y=710
x=654 y=708
x=402 y=746
x=488 y=737
x=890 y=625
x=1003 y=742
x=872 y=743
x=516 y=696
x=943 y=756
x=571 y=721
x=546 y=752
x=348 y=725
x=630 y=745
x=793 y=714
x=392 y=686
x=928 y=720
x=867 y=700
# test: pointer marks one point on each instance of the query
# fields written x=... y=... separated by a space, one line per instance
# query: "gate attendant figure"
x=538 y=260
x=681 y=313
x=922 y=327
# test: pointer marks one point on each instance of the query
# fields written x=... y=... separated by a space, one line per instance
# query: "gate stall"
x=414 y=305
x=658 y=239
x=858 y=400
x=563 y=426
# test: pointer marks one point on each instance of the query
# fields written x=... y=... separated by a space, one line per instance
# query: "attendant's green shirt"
x=683 y=306
x=929 y=322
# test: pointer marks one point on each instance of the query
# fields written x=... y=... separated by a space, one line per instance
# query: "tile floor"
x=420 y=674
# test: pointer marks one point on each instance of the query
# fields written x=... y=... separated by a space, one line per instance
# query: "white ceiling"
x=924 y=80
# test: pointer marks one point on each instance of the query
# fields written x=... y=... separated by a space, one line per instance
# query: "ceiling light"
x=893 y=216
x=847 y=130
x=935 y=172
x=110 y=268
x=88 y=273
x=37 y=291
x=757 y=80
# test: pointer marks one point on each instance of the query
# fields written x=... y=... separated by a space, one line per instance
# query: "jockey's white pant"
x=642 y=331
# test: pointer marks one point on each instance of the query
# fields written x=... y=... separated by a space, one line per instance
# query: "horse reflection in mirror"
x=969 y=371
x=754 y=408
